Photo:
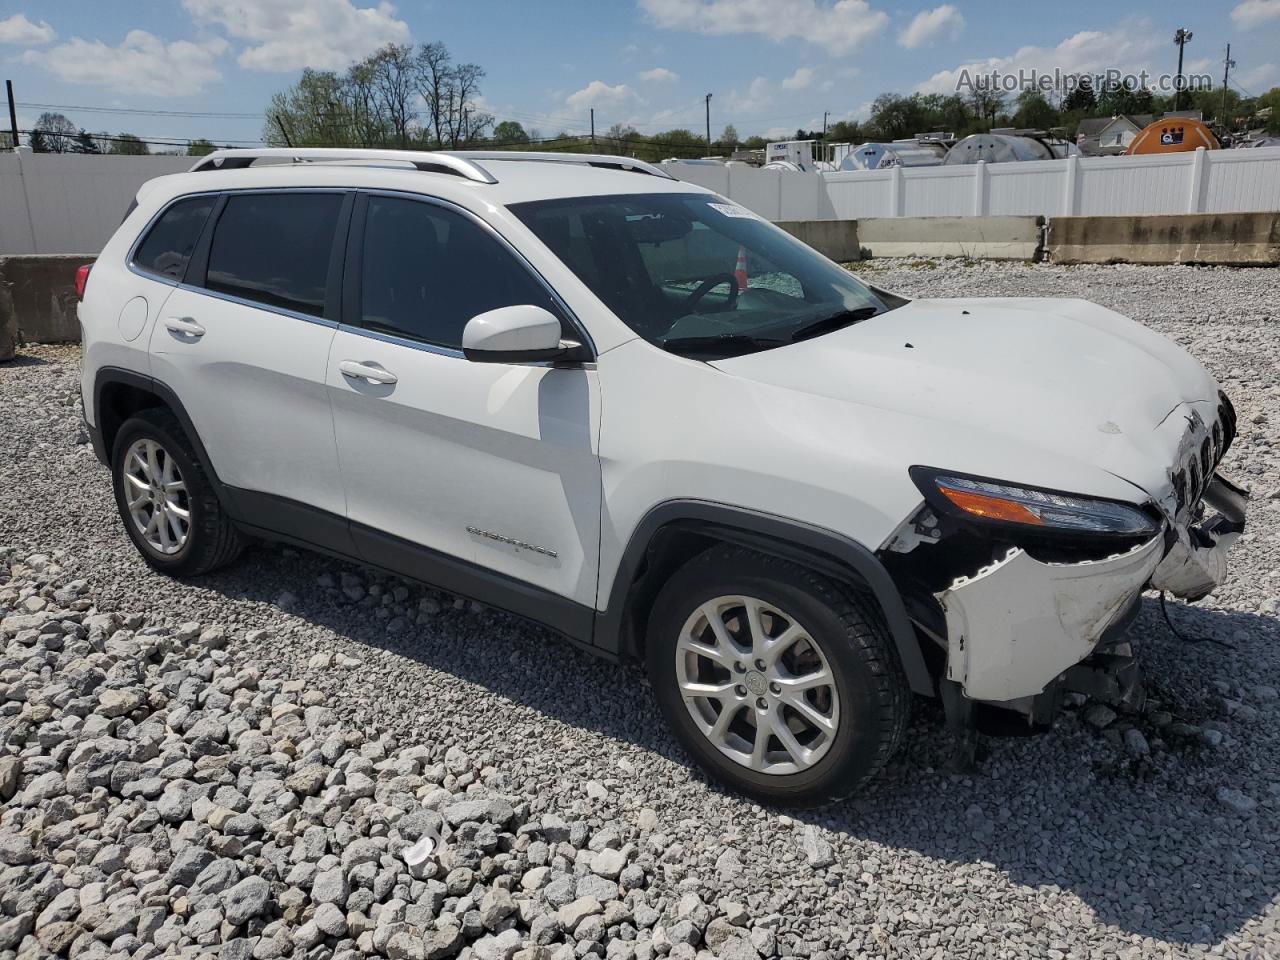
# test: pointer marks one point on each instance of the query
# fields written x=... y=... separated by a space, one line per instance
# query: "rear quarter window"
x=166 y=248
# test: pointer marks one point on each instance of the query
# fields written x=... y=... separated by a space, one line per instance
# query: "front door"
x=482 y=478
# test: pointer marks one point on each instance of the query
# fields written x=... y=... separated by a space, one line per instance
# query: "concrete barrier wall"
x=1233 y=239
x=38 y=300
x=984 y=238
x=63 y=202
x=835 y=239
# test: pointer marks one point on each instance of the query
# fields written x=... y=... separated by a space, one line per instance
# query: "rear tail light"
x=82 y=278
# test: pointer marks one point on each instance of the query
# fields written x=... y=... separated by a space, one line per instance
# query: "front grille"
x=1192 y=476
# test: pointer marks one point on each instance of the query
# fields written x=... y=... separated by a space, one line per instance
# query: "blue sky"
x=771 y=65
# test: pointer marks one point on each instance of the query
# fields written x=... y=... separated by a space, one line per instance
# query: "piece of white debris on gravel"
x=237 y=765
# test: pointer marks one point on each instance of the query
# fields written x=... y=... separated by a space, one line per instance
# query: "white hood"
x=1067 y=377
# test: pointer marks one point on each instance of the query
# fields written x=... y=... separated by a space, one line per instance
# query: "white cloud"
x=1089 y=51
x=837 y=27
x=287 y=35
x=22 y=32
x=1261 y=76
x=930 y=26
x=1250 y=13
x=799 y=80
x=600 y=95
x=659 y=75
x=141 y=63
x=758 y=96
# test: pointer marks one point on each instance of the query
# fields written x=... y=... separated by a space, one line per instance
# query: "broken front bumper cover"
x=1016 y=625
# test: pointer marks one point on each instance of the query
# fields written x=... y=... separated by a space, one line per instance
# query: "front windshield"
x=694 y=273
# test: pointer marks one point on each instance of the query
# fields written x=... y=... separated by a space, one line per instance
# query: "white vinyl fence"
x=1207 y=181
x=71 y=203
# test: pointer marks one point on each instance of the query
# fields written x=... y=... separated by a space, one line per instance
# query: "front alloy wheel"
x=757 y=685
x=781 y=682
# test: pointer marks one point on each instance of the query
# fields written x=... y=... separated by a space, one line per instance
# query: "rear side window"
x=167 y=247
x=426 y=271
x=275 y=248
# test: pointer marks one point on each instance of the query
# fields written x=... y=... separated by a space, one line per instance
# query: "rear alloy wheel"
x=782 y=683
x=157 y=497
x=166 y=500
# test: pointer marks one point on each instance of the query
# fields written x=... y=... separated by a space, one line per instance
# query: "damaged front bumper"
x=1017 y=625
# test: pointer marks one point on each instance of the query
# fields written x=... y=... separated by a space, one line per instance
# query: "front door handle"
x=366 y=371
x=184 y=325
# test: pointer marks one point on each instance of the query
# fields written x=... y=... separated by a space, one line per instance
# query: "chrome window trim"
x=129 y=259
x=435 y=348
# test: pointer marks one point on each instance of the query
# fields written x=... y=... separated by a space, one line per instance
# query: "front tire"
x=781 y=683
x=169 y=507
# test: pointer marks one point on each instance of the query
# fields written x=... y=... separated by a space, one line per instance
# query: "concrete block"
x=835 y=239
x=983 y=238
x=1229 y=239
x=38 y=298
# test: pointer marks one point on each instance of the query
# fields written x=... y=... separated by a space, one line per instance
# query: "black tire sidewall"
x=855 y=751
x=132 y=430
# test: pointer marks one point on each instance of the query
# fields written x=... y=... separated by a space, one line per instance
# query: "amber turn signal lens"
x=991 y=508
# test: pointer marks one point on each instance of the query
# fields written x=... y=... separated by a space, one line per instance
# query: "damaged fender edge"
x=1017 y=624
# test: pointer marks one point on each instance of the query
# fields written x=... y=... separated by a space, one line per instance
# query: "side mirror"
x=519 y=334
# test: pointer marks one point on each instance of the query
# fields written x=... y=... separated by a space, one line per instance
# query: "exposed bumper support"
x=1014 y=626
x=1197 y=562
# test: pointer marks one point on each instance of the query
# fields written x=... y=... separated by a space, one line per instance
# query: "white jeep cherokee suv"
x=624 y=407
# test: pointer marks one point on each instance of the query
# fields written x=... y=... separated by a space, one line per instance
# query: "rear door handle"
x=366 y=371
x=184 y=325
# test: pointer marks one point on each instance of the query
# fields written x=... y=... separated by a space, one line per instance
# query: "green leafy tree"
x=1034 y=111
x=200 y=148
x=129 y=145
x=509 y=131
x=729 y=138
x=84 y=143
x=1081 y=97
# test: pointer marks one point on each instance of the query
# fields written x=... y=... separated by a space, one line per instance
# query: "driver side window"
x=426 y=270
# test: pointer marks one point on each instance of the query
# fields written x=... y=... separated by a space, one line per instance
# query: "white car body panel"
x=543 y=474
x=455 y=455
x=1018 y=623
x=253 y=385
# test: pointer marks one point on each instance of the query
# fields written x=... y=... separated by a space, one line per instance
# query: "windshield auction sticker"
x=733 y=210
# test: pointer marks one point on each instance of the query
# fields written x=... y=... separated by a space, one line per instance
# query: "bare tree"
x=57 y=133
x=435 y=81
x=393 y=79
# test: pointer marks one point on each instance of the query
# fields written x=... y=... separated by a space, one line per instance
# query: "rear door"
x=244 y=343
x=461 y=473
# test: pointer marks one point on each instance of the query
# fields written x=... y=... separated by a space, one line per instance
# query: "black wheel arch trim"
x=108 y=375
x=790 y=539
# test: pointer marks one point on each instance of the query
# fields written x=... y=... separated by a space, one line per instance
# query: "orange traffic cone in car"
x=740 y=268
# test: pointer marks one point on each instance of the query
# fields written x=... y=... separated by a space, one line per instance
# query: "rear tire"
x=805 y=662
x=166 y=500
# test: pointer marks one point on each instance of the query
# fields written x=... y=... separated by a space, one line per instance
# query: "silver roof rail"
x=426 y=160
x=587 y=159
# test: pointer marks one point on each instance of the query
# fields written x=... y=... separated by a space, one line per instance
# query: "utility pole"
x=13 y=113
x=708 y=101
x=593 y=124
x=1181 y=38
x=825 y=114
x=1226 y=74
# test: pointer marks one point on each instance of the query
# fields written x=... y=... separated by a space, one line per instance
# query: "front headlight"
x=1029 y=508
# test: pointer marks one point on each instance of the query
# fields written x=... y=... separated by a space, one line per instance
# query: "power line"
x=141 y=112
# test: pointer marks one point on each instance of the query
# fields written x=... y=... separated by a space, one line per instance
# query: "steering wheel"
x=709 y=284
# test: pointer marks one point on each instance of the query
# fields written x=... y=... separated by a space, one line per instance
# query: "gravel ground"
x=244 y=760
